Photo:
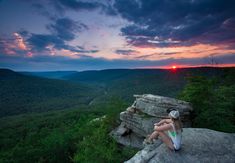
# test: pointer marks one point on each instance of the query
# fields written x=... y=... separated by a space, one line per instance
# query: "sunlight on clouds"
x=161 y=53
x=20 y=41
x=194 y=51
x=66 y=53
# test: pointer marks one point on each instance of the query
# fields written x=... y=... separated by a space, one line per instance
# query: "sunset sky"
x=47 y=35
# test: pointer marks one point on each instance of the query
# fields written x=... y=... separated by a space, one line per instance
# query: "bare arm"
x=167 y=121
x=164 y=127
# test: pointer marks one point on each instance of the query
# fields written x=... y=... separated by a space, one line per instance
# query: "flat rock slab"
x=158 y=105
x=198 y=145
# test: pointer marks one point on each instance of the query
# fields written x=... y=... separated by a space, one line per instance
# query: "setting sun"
x=174 y=67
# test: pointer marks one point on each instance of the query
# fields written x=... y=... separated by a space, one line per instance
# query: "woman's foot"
x=148 y=140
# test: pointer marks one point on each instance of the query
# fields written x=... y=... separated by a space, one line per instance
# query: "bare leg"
x=154 y=135
x=149 y=138
x=166 y=139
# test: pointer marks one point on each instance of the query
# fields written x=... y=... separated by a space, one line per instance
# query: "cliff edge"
x=198 y=145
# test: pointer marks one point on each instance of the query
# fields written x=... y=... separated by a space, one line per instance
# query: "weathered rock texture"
x=198 y=145
x=138 y=120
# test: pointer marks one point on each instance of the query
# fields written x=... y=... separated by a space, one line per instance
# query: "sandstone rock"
x=198 y=145
x=139 y=118
x=158 y=105
x=140 y=124
x=131 y=109
x=131 y=140
x=146 y=154
x=122 y=130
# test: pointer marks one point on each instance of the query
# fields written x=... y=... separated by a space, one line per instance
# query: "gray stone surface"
x=122 y=130
x=139 y=118
x=198 y=145
x=140 y=124
x=130 y=139
x=158 y=105
x=146 y=154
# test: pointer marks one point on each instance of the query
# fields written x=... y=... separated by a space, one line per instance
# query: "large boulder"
x=198 y=145
x=158 y=105
x=138 y=120
x=140 y=124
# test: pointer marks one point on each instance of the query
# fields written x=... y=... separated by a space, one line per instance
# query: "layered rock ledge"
x=138 y=120
x=198 y=145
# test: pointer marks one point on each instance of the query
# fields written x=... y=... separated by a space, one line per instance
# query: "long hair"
x=177 y=122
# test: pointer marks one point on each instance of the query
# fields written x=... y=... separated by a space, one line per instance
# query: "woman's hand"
x=155 y=127
x=156 y=124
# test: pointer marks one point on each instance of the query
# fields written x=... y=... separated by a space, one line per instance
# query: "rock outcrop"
x=198 y=145
x=138 y=119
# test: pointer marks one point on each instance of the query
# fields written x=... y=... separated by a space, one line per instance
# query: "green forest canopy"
x=71 y=136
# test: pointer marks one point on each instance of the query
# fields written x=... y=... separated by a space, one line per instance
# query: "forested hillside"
x=25 y=94
x=126 y=82
x=63 y=136
x=213 y=100
x=72 y=134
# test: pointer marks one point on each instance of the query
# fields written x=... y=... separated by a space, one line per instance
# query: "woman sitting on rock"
x=173 y=126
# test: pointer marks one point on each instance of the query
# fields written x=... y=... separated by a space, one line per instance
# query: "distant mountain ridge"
x=24 y=92
x=126 y=82
x=113 y=74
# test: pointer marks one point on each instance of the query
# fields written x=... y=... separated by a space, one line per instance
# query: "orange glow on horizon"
x=186 y=66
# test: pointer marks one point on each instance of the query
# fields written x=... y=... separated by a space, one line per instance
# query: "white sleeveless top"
x=175 y=136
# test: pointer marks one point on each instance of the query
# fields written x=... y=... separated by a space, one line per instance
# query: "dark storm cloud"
x=23 y=33
x=108 y=9
x=60 y=6
x=105 y=6
x=78 y=5
x=126 y=52
x=66 y=28
x=40 y=43
x=190 y=22
x=63 y=29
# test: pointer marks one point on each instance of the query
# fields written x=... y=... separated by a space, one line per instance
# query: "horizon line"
x=137 y=68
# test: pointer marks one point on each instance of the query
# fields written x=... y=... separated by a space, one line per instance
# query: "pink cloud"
x=20 y=41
